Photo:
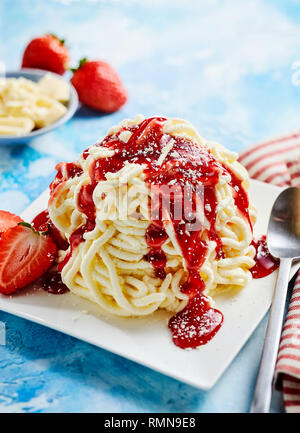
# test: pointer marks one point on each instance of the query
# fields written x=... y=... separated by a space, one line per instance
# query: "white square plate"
x=147 y=340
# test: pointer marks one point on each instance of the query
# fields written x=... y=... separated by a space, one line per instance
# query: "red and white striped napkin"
x=277 y=161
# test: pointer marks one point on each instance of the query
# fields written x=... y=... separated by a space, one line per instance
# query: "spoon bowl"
x=283 y=240
x=283 y=237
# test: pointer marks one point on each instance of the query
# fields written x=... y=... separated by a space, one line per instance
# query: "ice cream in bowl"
x=33 y=102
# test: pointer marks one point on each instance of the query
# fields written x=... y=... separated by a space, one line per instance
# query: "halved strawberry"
x=25 y=255
x=8 y=220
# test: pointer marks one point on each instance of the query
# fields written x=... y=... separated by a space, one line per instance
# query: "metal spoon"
x=283 y=239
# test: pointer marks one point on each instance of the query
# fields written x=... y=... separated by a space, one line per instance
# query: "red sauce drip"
x=43 y=223
x=155 y=238
x=185 y=167
x=85 y=153
x=75 y=239
x=85 y=200
x=65 y=171
x=240 y=196
x=196 y=324
x=52 y=283
x=265 y=263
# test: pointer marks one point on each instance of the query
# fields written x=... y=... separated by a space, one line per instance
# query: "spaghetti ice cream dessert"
x=155 y=217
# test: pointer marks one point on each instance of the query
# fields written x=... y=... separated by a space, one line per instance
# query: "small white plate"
x=147 y=340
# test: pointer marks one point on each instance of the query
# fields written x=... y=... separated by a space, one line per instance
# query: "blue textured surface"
x=224 y=65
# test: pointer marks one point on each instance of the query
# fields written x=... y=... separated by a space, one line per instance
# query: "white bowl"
x=72 y=105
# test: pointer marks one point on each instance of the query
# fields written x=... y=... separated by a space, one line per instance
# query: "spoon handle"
x=263 y=389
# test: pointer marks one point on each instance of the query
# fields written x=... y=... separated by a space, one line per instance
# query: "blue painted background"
x=224 y=65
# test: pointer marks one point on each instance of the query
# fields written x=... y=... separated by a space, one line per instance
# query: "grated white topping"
x=125 y=136
x=165 y=151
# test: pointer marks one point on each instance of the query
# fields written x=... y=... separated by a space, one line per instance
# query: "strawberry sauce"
x=51 y=281
x=155 y=238
x=186 y=166
x=265 y=264
x=43 y=223
x=196 y=324
x=53 y=284
x=65 y=171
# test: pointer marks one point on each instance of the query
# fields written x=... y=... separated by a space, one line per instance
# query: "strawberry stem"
x=81 y=63
x=23 y=223
x=28 y=225
x=62 y=41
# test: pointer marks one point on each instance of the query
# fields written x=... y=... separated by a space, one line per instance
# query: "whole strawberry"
x=46 y=52
x=99 y=86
